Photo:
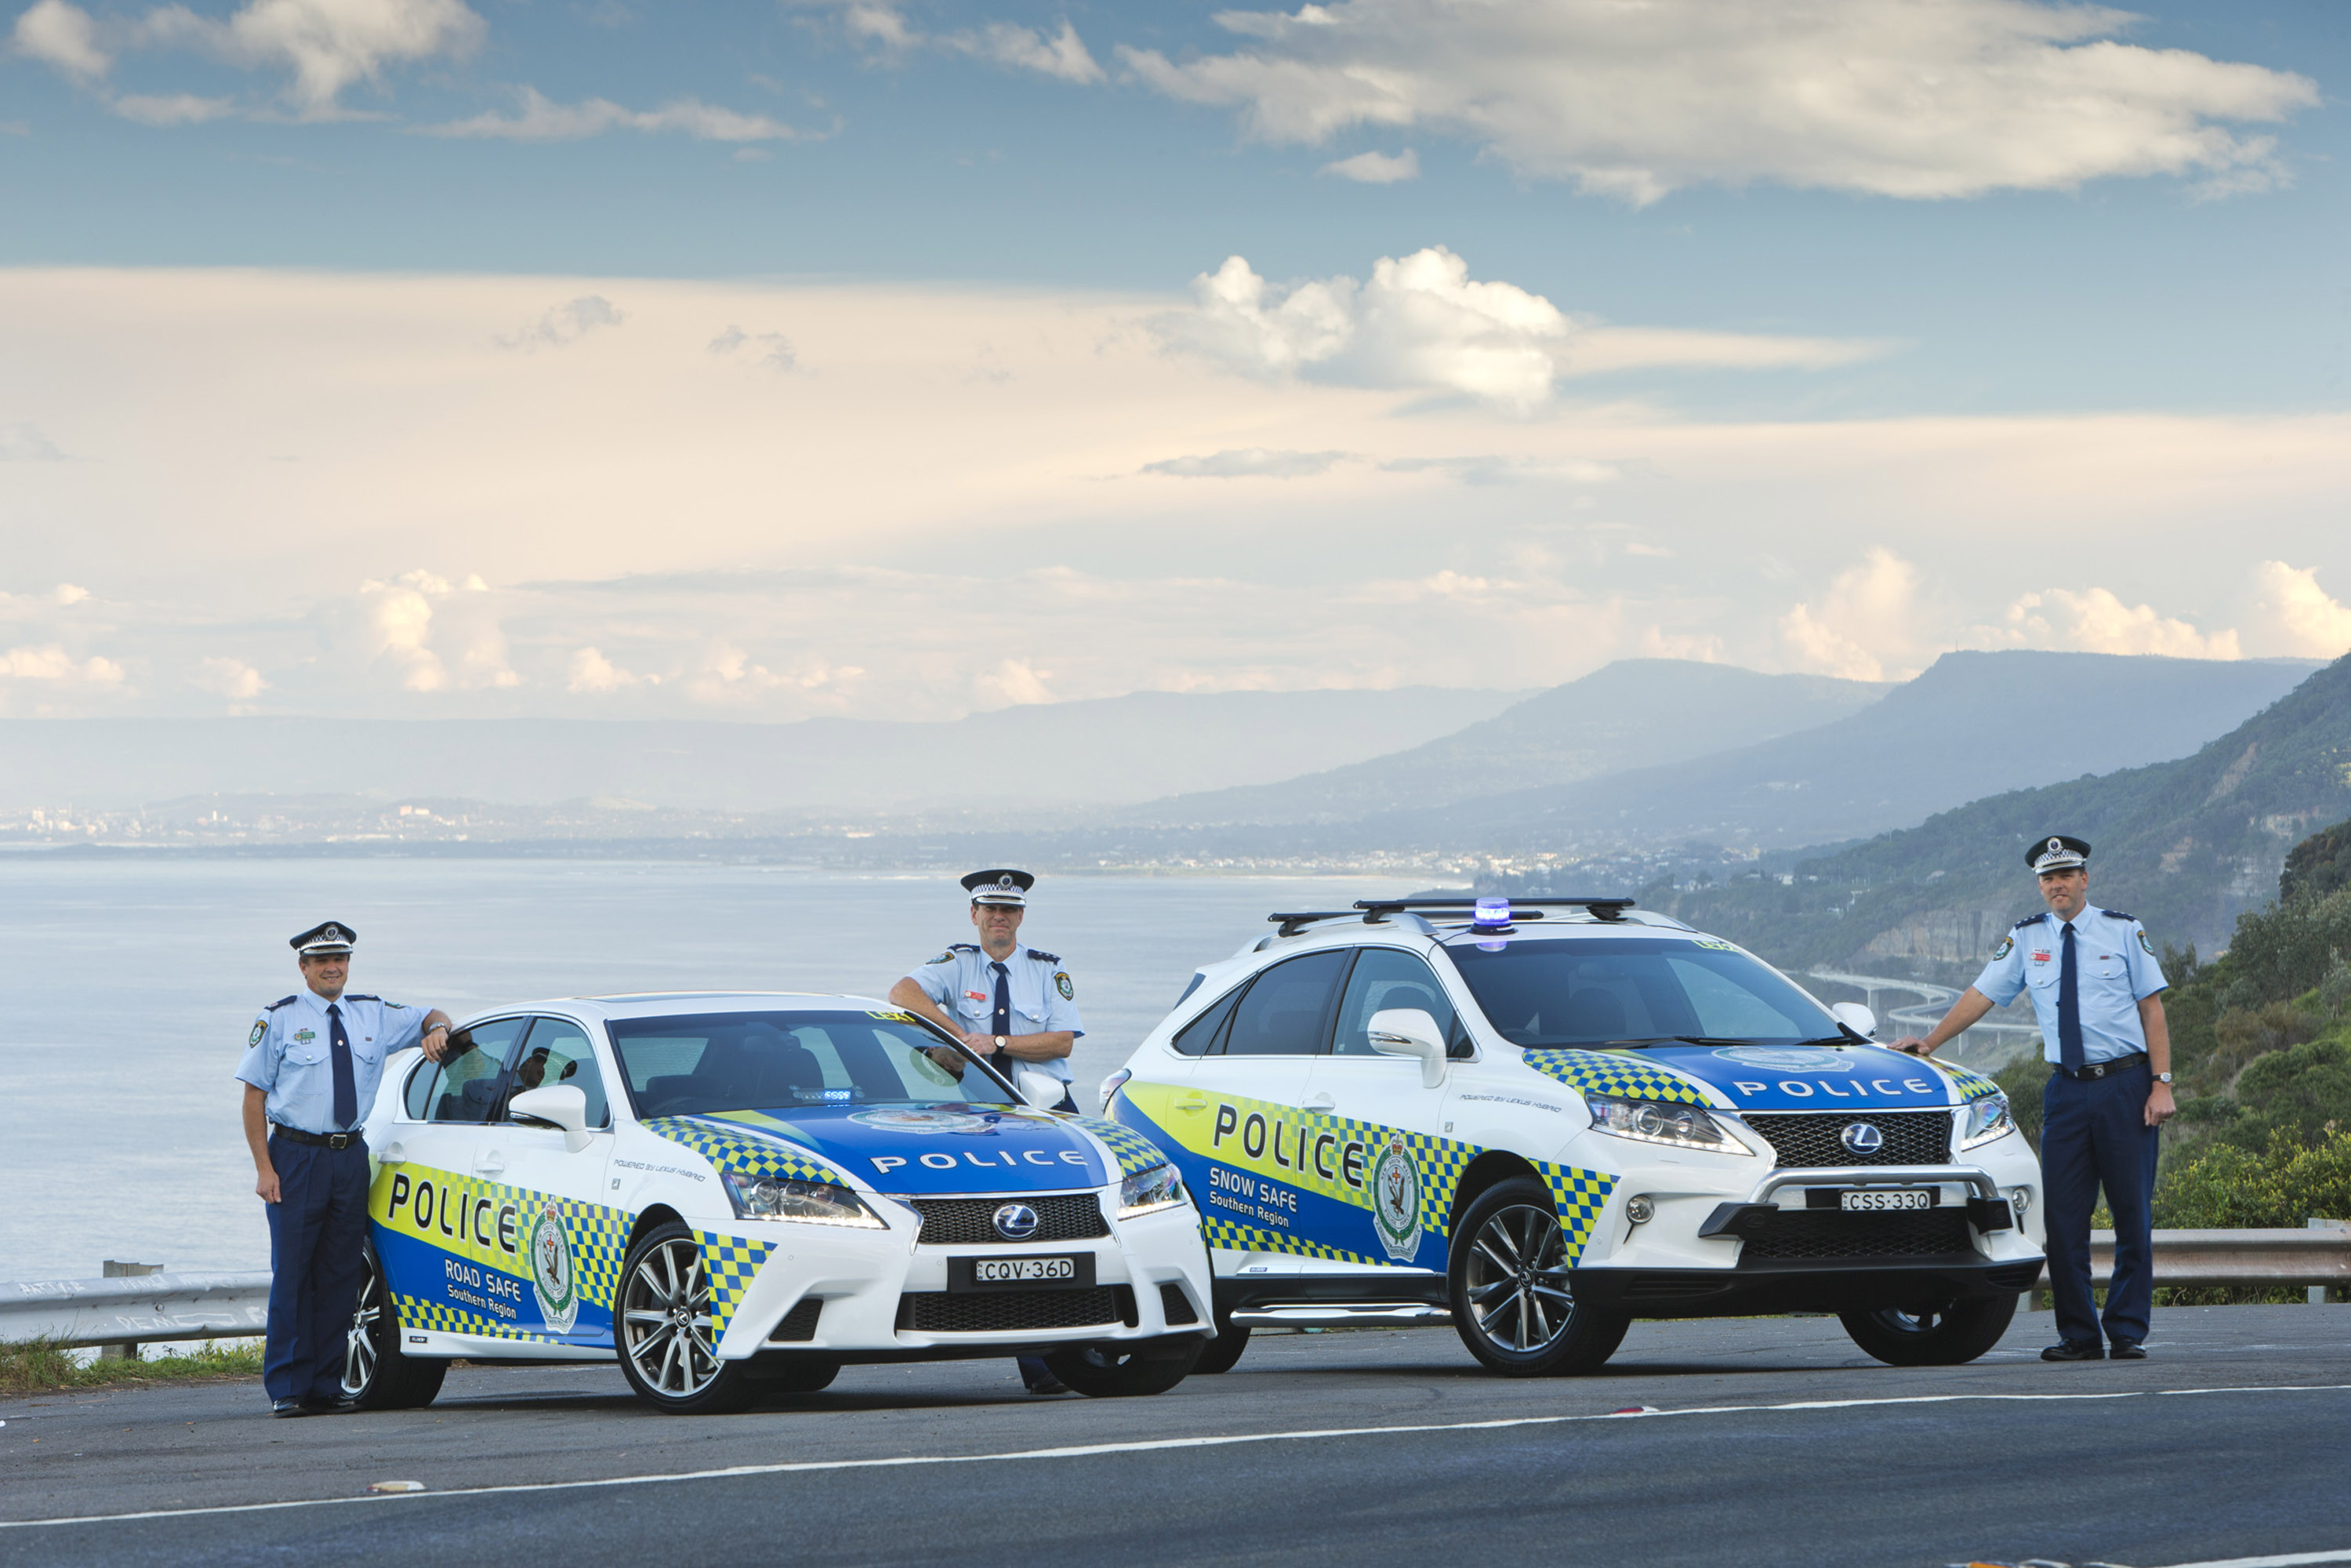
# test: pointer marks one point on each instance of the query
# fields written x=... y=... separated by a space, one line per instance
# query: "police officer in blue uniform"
x=2096 y=990
x=311 y=1071
x=1013 y=1006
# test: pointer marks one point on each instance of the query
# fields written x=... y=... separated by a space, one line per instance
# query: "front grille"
x=1174 y=1306
x=798 y=1326
x=998 y=1311
x=971 y=1221
x=1809 y=1138
x=1800 y=1234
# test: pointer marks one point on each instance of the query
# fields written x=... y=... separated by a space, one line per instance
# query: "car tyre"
x=1508 y=1279
x=662 y=1327
x=376 y=1374
x=1125 y=1371
x=1220 y=1353
x=1943 y=1336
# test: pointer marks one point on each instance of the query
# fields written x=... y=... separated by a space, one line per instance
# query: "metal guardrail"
x=2312 y=1257
x=134 y=1311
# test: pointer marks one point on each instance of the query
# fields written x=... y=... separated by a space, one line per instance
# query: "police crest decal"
x=551 y=1277
x=1395 y=1200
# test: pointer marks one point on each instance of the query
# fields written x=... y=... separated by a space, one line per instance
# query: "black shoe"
x=285 y=1408
x=2127 y=1350
x=2074 y=1350
x=338 y=1406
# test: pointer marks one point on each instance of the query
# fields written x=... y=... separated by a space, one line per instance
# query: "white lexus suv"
x=1543 y=1120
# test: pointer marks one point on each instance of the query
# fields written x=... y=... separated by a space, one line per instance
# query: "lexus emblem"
x=1858 y=1136
x=1017 y=1221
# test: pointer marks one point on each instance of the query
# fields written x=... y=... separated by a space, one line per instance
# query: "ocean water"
x=128 y=987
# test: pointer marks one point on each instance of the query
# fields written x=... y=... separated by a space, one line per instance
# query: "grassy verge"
x=38 y=1366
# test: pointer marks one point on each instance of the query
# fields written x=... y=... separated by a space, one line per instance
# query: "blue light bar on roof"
x=1492 y=915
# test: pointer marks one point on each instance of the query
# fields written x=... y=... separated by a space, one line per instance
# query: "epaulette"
x=2028 y=920
x=360 y=997
x=1043 y=957
x=282 y=1002
x=963 y=946
x=2116 y=915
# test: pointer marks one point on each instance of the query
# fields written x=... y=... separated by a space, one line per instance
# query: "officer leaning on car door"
x=311 y=1071
x=2097 y=993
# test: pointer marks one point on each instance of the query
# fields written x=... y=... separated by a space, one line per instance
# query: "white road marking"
x=1161 y=1444
x=2290 y=1560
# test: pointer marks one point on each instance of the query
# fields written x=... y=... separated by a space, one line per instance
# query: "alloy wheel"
x=359 y=1339
x=1518 y=1280
x=666 y=1321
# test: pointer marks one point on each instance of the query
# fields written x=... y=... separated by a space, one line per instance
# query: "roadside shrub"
x=2286 y=949
x=2301 y=1094
x=2281 y=1184
x=2023 y=1082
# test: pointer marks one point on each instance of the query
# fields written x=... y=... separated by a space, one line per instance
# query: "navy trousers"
x=316 y=1230
x=2094 y=1134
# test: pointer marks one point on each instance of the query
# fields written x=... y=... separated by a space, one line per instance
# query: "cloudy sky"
x=893 y=360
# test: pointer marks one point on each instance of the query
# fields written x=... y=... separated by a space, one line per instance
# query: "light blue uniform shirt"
x=2114 y=970
x=289 y=1056
x=962 y=980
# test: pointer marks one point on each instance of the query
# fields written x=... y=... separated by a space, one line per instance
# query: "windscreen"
x=702 y=1062
x=1549 y=994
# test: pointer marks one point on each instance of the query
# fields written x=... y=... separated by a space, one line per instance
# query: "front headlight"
x=808 y=1202
x=1158 y=1188
x=1987 y=1119
x=1662 y=1121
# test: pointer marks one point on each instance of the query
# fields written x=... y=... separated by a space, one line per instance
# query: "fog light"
x=2021 y=1198
x=1639 y=1210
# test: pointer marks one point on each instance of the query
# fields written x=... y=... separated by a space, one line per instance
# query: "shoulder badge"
x=2007 y=946
x=1044 y=957
x=1063 y=983
x=945 y=958
x=260 y=1028
x=280 y=1002
x=2145 y=946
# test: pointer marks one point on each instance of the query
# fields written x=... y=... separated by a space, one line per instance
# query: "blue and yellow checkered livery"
x=1608 y=1073
x=599 y=1242
x=731 y=1263
x=1579 y=1195
x=424 y=1316
x=1135 y=1154
x=1971 y=1086
x=741 y=1150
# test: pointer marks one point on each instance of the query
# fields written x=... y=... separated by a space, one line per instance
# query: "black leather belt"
x=323 y=1140
x=2096 y=1070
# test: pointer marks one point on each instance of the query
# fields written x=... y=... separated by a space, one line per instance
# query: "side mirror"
x=556 y=1105
x=1409 y=1031
x=1038 y=1090
x=1857 y=1018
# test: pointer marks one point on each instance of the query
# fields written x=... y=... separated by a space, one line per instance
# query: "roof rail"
x=1599 y=908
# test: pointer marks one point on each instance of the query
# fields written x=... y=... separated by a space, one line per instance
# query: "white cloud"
x=1493 y=468
x=1930 y=99
x=2096 y=621
x=433 y=635
x=566 y=323
x=593 y=673
x=1377 y=168
x=2293 y=615
x=26 y=443
x=66 y=594
x=1865 y=627
x=543 y=120
x=52 y=662
x=230 y=678
x=61 y=35
x=1015 y=682
x=1249 y=462
x=173 y=109
x=1063 y=55
x=771 y=350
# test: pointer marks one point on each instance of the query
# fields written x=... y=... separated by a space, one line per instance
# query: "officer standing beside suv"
x=2097 y=993
x=311 y=1071
x=1012 y=1006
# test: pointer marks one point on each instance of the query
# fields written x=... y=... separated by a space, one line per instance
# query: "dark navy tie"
x=347 y=1089
x=1000 y=1021
x=2069 y=1007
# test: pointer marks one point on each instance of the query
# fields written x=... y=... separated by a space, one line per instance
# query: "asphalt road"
x=1764 y=1441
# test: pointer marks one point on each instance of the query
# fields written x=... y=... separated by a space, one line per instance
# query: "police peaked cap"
x=334 y=936
x=2058 y=852
x=1000 y=886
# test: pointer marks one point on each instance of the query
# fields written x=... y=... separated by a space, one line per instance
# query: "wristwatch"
x=2163 y=1078
x=1000 y=1049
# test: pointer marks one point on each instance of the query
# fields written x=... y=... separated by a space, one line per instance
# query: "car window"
x=1286 y=1011
x=1545 y=994
x=472 y=1077
x=417 y=1097
x=1384 y=977
x=699 y=1063
x=1199 y=1038
x=559 y=1052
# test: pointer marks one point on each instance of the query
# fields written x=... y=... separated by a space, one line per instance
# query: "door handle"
x=393 y=1154
x=1191 y=1103
x=1322 y=1102
x=490 y=1165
